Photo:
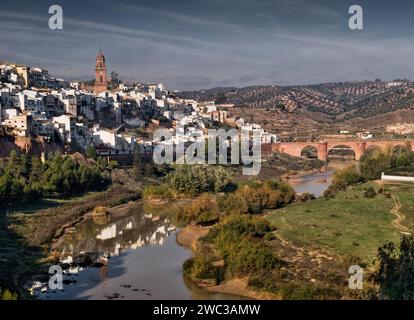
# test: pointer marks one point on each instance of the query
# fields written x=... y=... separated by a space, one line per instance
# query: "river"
x=132 y=257
x=136 y=256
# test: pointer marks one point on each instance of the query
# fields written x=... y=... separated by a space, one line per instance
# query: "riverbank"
x=188 y=237
x=41 y=230
x=28 y=234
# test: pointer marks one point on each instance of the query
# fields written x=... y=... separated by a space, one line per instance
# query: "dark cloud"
x=190 y=44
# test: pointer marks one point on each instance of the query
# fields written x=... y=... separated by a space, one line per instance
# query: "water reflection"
x=134 y=231
x=133 y=256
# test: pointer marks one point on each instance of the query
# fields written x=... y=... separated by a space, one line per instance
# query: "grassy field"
x=349 y=225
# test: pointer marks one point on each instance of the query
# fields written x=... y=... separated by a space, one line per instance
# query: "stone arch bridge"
x=323 y=147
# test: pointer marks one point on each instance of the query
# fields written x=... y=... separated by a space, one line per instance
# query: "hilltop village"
x=41 y=114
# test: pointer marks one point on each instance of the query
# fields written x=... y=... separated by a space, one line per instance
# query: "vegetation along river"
x=136 y=256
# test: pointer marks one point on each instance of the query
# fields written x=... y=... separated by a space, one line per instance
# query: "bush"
x=239 y=240
x=235 y=227
x=202 y=265
x=270 y=194
x=395 y=160
x=342 y=179
x=195 y=179
x=288 y=289
x=5 y=294
x=247 y=256
x=395 y=272
x=161 y=191
x=202 y=210
x=373 y=164
x=370 y=193
x=233 y=204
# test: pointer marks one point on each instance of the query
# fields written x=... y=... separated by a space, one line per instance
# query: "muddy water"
x=318 y=183
x=135 y=256
x=315 y=184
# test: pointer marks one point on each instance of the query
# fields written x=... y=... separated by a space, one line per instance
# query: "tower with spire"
x=101 y=83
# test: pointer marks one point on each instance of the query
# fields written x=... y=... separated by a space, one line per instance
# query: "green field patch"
x=349 y=225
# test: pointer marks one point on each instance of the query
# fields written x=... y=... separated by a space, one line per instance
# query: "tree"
x=24 y=167
x=24 y=179
x=13 y=163
x=395 y=274
x=36 y=170
x=91 y=152
x=7 y=295
x=374 y=163
x=137 y=165
x=195 y=179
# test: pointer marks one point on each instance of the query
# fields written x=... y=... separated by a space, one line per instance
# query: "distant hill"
x=346 y=102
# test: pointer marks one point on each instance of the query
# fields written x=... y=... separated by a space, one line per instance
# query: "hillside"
x=321 y=107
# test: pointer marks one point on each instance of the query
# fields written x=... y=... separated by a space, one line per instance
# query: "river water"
x=132 y=257
x=315 y=184
x=136 y=256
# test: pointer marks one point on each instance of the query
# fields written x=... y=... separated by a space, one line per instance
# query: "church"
x=101 y=82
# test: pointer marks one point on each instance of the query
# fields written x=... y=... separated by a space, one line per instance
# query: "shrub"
x=162 y=191
x=395 y=272
x=370 y=193
x=391 y=160
x=249 y=256
x=202 y=210
x=373 y=164
x=5 y=294
x=342 y=179
x=196 y=179
x=270 y=194
x=291 y=289
x=235 y=227
x=233 y=204
x=239 y=240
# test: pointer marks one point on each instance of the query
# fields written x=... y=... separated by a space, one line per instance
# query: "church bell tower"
x=101 y=83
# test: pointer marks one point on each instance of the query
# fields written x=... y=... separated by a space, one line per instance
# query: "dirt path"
x=399 y=216
x=315 y=255
x=308 y=264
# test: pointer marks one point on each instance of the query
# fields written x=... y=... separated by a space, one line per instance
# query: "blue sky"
x=193 y=44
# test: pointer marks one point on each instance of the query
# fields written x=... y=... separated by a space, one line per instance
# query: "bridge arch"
x=401 y=148
x=309 y=152
x=341 y=152
x=355 y=148
x=373 y=148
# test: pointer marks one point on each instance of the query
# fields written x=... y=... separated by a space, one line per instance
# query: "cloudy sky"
x=193 y=44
